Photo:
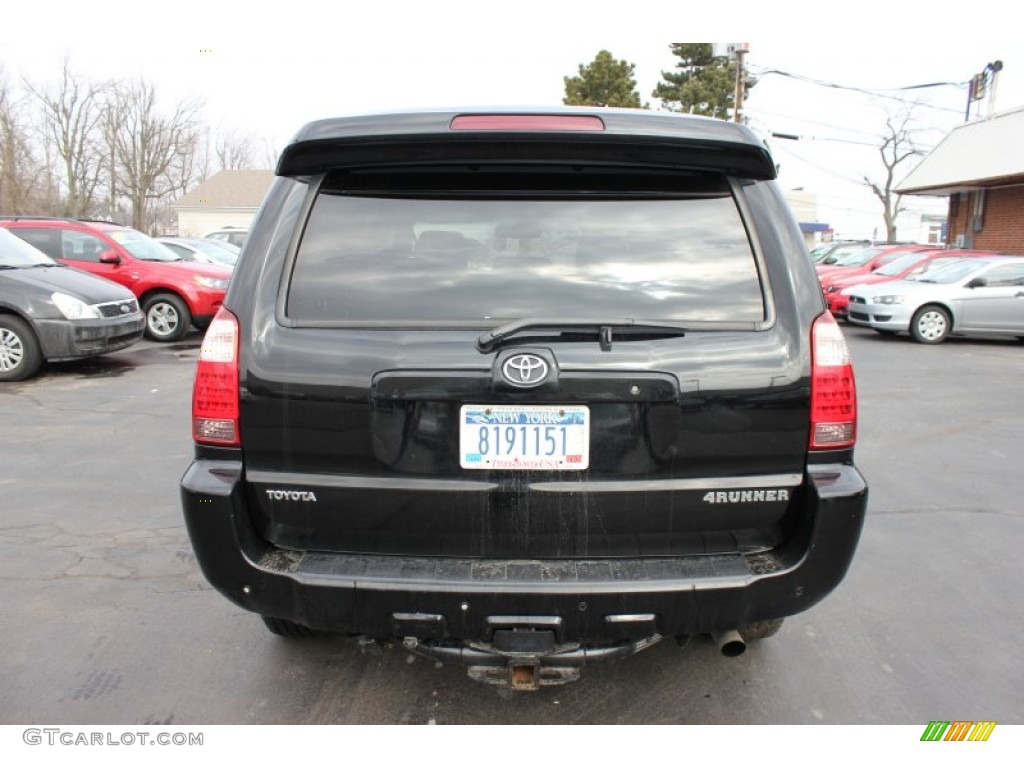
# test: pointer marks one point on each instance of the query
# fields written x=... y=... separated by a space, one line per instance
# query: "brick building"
x=980 y=167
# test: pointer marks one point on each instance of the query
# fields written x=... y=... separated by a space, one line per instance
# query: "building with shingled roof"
x=226 y=199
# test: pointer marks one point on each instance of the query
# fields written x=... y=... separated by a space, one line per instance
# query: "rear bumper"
x=580 y=599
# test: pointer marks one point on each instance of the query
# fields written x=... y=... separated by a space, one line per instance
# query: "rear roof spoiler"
x=628 y=138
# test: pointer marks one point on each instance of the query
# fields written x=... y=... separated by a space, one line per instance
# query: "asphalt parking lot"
x=108 y=621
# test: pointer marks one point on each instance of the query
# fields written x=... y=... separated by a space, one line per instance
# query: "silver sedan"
x=979 y=295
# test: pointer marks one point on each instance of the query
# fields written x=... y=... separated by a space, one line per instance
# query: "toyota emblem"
x=524 y=370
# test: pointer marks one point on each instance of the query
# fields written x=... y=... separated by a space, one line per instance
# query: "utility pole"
x=741 y=50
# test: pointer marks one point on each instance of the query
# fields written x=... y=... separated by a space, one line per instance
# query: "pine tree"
x=604 y=82
x=701 y=84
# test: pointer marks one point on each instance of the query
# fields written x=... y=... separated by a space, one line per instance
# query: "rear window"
x=464 y=248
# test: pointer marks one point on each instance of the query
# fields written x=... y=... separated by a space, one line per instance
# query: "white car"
x=203 y=249
x=978 y=295
x=234 y=235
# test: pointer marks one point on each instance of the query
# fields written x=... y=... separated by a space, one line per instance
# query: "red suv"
x=174 y=294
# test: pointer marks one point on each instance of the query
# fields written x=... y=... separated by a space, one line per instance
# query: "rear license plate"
x=555 y=437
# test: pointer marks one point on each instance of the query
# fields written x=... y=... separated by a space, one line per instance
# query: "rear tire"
x=760 y=630
x=167 y=317
x=931 y=325
x=20 y=355
x=286 y=628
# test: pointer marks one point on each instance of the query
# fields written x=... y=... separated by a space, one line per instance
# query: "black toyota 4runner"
x=525 y=391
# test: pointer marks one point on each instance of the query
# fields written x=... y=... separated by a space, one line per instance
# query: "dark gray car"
x=51 y=312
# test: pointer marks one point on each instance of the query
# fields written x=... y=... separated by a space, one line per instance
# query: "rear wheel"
x=931 y=325
x=286 y=628
x=167 y=317
x=20 y=355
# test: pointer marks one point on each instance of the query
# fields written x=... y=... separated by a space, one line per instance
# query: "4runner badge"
x=743 y=497
x=290 y=495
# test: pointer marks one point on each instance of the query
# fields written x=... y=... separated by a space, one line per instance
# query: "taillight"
x=215 y=393
x=833 y=391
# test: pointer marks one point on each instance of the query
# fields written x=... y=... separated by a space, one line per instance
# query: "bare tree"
x=154 y=153
x=72 y=113
x=12 y=145
x=235 y=151
x=896 y=148
x=108 y=130
x=269 y=154
x=21 y=179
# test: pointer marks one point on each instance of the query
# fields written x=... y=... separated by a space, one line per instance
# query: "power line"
x=877 y=137
x=827 y=84
x=878 y=93
x=878 y=140
x=821 y=168
x=812 y=122
x=874 y=145
x=823 y=198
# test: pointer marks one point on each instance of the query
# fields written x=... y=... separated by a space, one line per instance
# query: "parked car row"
x=927 y=292
x=203 y=250
x=174 y=294
x=123 y=285
x=866 y=260
x=984 y=294
x=834 y=251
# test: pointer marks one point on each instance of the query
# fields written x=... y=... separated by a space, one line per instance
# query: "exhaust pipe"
x=730 y=643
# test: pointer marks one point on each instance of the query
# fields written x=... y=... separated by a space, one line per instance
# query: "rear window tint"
x=489 y=255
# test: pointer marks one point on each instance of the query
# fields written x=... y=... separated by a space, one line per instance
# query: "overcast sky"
x=268 y=72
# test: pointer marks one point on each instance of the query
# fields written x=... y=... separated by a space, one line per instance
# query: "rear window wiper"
x=492 y=339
